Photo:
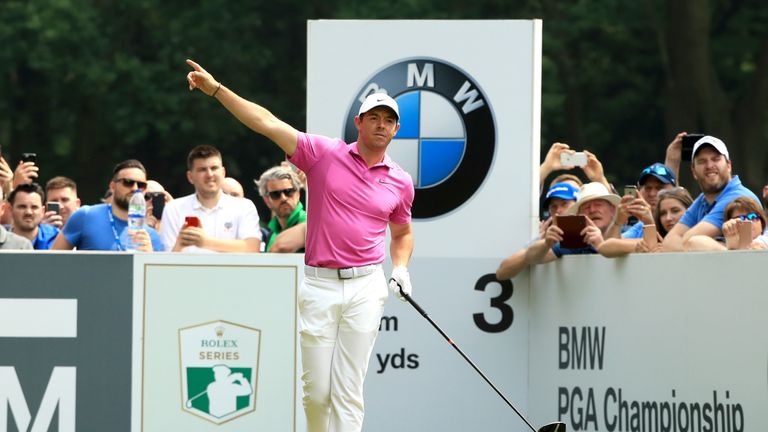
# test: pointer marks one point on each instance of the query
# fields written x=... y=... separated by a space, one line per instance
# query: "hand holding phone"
x=572 y=226
x=578 y=159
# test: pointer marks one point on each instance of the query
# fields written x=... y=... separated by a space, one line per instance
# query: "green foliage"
x=88 y=83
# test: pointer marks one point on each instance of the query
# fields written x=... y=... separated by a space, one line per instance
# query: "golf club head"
x=553 y=427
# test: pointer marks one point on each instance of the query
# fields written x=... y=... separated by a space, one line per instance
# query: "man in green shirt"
x=280 y=187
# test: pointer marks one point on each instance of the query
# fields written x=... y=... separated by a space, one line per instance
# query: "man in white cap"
x=598 y=205
x=357 y=191
x=711 y=168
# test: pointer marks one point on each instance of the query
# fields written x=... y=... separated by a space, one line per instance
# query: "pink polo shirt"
x=349 y=205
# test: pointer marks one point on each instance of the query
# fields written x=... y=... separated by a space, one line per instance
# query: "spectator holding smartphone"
x=228 y=223
x=62 y=190
x=560 y=197
x=27 y=212
x=553 y=161
x=671 y=204
x=598 y=205
x=745 y=222
x=642 y=204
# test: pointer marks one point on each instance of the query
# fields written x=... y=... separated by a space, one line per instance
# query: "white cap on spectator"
x=378 y=99
x=714 y=142
x=593 y=191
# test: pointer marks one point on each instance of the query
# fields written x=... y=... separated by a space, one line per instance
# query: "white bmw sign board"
x=469 y=99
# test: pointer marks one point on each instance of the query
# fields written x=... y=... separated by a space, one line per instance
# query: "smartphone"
x=688 y=141
x=630 y=190
x=649 y=235
x=192 y=221
x=572 y=226
x=29 y=157
x=53 y=206
x=573 y=159
x=745 y=234
x=158 y=203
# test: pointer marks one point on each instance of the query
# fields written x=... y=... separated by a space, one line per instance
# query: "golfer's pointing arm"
x=250 y=114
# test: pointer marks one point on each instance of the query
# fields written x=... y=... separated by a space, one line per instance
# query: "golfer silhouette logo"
x=219 y=370
x=224 y=390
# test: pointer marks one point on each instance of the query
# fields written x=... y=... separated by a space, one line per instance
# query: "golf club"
x=551 y=427
x=188 y=403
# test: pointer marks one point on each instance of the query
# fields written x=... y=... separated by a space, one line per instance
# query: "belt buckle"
x=346 y=273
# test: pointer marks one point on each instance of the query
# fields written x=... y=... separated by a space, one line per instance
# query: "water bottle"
x=137 y=210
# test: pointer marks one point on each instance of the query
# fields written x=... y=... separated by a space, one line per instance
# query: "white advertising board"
x=657 y=342
x=468 y=93
x=216 y=343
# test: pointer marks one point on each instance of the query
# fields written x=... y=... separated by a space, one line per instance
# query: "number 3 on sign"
x=498 y=302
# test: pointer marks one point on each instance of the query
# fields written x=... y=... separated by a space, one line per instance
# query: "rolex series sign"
x=219 y=370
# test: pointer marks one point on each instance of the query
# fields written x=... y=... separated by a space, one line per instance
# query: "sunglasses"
x=129 y=182
x=748 y=217
x=660 y=170
x=275 y=195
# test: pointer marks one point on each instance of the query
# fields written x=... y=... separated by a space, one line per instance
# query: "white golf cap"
x=376 y=100
x=714 y=142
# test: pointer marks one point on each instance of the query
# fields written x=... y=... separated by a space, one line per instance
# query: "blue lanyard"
x=114 y=228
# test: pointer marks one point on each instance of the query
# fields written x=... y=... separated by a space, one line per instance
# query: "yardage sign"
x=447 y=135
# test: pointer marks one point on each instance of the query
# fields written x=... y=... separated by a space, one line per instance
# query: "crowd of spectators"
x=215 y=218
x=656 y=214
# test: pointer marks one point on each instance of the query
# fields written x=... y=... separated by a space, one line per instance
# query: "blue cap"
x=661 y=172
x=564 y=191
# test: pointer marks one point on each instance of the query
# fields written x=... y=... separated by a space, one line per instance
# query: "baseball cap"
x=376 y=100
x=593 y=191
x=662 y=172
x=714 y=142
x=564 y=191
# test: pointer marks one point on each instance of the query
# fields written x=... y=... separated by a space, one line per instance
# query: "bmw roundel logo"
x=447 y=135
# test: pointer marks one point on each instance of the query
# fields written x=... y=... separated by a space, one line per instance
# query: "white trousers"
x=339 y=323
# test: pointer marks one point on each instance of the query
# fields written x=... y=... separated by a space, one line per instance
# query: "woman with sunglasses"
x=739 y=212
x=671 y=205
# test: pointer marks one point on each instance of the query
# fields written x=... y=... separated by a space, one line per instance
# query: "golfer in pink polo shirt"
x=357 y=191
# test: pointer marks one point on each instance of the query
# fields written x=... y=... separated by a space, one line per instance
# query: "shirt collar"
x=197 y=205
x=386 y=162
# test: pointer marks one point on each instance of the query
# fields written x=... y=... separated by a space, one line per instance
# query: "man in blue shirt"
x=27 y=212
x=105 y=226
x=711 y=168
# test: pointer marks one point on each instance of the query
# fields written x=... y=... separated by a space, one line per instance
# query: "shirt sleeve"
x=689 y=218
x=248 y=226
x=634 y=232
x=73 y=229
x=309 y=149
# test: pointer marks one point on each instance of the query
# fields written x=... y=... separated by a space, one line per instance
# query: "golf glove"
x=400 y=279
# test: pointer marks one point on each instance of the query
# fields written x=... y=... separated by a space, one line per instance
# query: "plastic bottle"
x=137 y=210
